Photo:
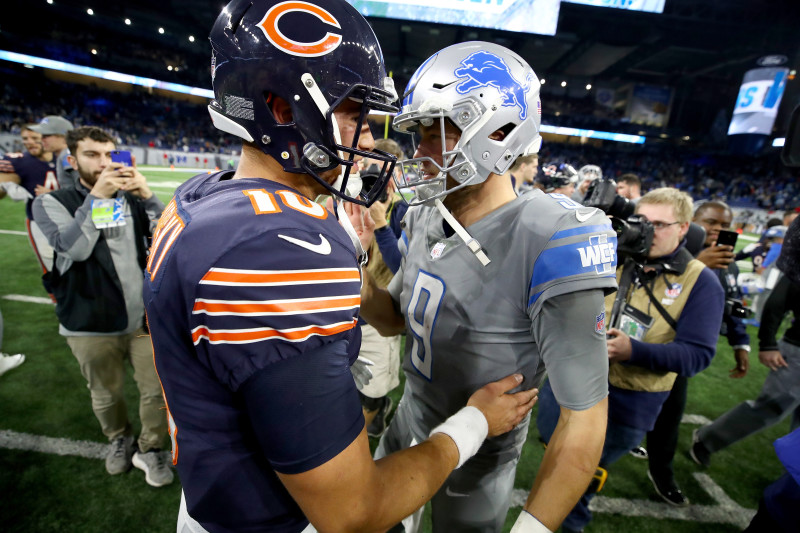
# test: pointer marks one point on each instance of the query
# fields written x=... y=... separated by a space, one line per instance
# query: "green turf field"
x=46 y=396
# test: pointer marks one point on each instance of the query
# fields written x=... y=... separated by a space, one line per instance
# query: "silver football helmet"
x=590 y=172
x=481 y=88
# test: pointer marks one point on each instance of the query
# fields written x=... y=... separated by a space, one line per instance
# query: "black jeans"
x=662 y=441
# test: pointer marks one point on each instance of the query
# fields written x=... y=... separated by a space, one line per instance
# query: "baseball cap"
x=53 y=125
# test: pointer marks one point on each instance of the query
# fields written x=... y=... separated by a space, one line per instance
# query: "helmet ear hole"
x=280 y=109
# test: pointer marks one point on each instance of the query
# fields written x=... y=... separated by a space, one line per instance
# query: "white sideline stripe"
x=56 y=446
x=164 y=184
x=747 y=237
x=698 y=420
x=28 y=299
x=12 y=232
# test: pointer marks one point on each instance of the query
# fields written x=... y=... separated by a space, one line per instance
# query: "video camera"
x=737 y=309
x=634 y=232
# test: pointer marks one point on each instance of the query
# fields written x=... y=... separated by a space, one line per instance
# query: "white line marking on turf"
x=36 y=443
x=28 y=299
x=12 y=232
x=164 y=184
x=698 y=420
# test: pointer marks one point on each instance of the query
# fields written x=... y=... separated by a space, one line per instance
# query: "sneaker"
x=640 y=452
x=118 y=459
x=7 y=362
x=698 y=452
x=668 y=490
x=154 y=464
x=379 y=424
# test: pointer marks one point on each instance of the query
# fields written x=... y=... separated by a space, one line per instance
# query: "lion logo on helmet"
x=484 y=69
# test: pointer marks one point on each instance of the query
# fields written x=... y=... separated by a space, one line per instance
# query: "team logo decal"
x=484 y=69
x=600 y=323
x=271 y=28
x=673 y=291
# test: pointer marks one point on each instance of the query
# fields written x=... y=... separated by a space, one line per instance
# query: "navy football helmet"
x=314 y=54
x=554 y=176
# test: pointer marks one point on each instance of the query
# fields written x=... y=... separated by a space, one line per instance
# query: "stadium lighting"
x=90 y=11
x=50 y=2
x=563 y=84
x=127 y=22
x=169 y=67
x=191 y=38
x=94 y=51
x=61 y=66
x=588 y=86
x=161 y=31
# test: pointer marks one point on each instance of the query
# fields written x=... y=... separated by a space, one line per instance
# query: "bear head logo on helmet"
x=313 y=54
x=480 y=88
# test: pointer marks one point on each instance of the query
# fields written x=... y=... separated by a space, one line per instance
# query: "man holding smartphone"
x=100 y=231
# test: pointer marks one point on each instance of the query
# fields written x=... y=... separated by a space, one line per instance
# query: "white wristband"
x=527 y=523
x=468 y=428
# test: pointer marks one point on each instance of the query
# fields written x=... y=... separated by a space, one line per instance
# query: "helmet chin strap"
x=344 y=220
x=472 y=243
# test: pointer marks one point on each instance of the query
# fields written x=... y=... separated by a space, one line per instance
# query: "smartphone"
x=122 y=156
x=727 y=238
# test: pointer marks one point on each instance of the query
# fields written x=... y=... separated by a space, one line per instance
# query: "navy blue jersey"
x=32 y=172
x=252 y=293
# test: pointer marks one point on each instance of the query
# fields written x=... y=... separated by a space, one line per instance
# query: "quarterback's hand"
x=619 y=346
x=362 y=374
x=716 y=257
x=742 y=364
x=503 y=411
x=772 y=359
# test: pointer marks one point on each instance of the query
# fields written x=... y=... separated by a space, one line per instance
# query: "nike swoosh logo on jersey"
x=454 y=494
x=323 y=248
x=585 y=216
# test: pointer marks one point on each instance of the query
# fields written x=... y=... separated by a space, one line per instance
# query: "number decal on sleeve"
x=169 y=227
x=423 y=308
x=263 y=202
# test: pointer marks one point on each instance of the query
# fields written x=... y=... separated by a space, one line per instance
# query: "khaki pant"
x=101 y=359
x=384 y=352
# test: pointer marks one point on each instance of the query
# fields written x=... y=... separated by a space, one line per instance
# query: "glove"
x=15 y=192
x=362 y=374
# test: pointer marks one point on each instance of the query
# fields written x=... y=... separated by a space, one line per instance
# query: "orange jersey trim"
x=245 y=336
x=219 y=276
x=276 y=307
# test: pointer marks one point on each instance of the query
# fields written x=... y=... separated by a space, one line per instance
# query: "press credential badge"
x=108 y=212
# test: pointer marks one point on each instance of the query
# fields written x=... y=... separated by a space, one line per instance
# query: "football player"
x=493 y=283
x=558 y=178
x=28 y=175
x=252 y=293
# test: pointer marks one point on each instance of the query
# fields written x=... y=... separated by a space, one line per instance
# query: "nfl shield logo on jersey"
x=436 y=251
x=600 y=323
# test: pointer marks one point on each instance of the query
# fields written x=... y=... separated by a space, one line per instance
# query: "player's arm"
x=352 y=493
x=578 y=371
x=8 y=177
x=379 y=308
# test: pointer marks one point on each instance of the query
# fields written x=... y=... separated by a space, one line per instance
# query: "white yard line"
x=28 y=299
x=11 y=232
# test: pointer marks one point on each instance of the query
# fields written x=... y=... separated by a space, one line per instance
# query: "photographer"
x=670 y=307
x=662 y=440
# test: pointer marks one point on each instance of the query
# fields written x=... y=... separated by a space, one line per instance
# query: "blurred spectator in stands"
x=100 y=230
x=34 y=172
x=7 y=362
x=53 y=130
x=788 y=216
x=629 y=186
